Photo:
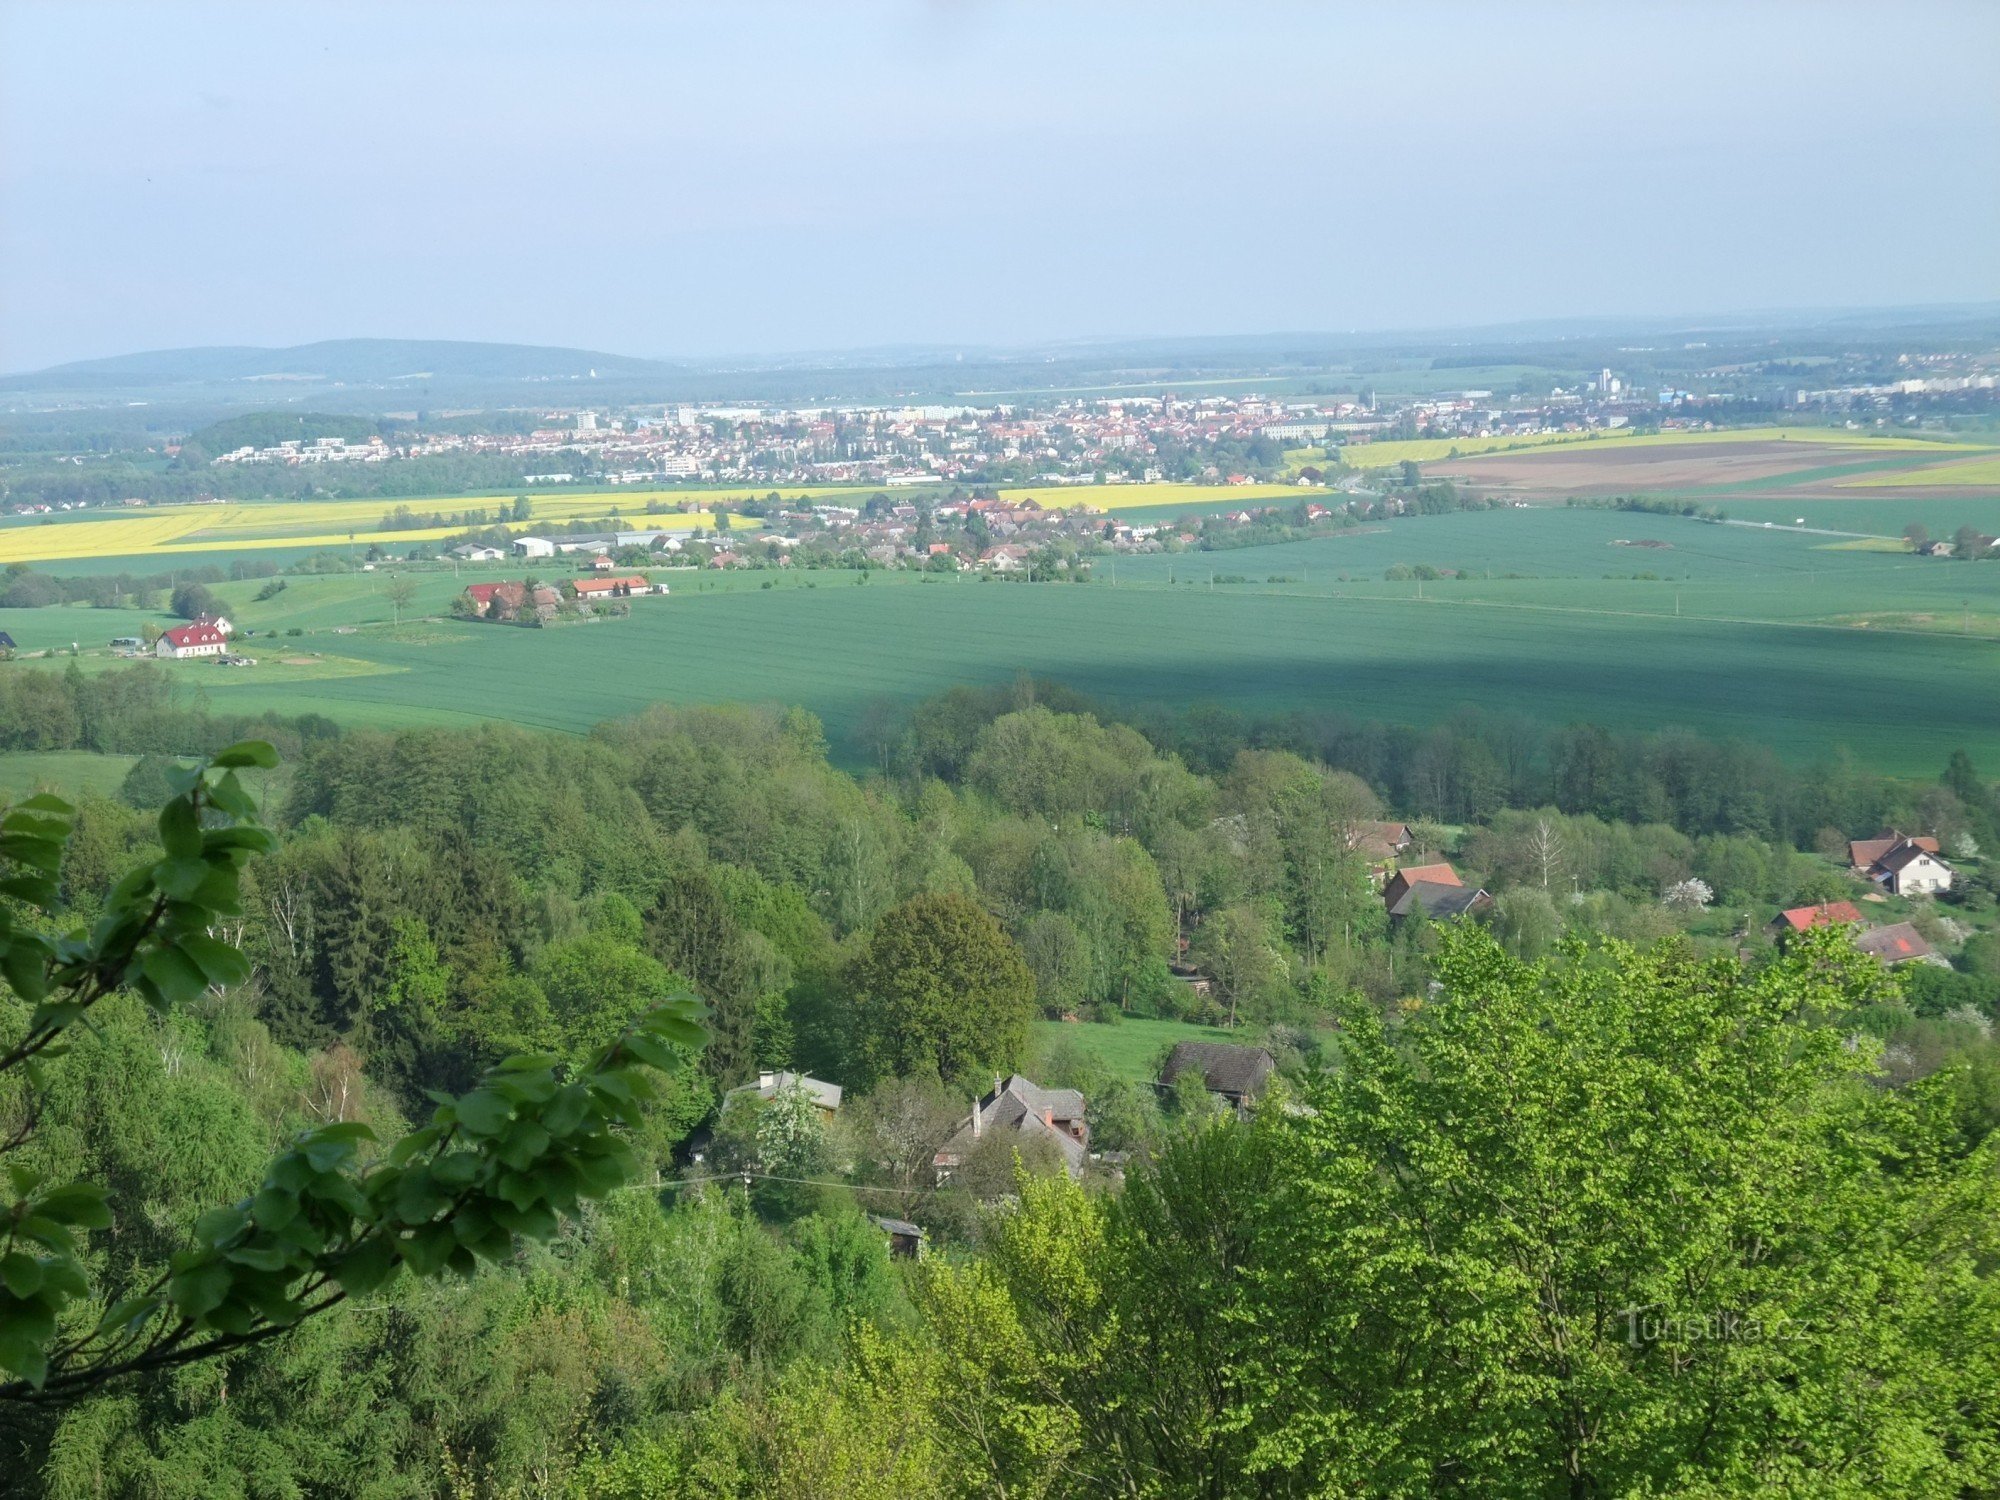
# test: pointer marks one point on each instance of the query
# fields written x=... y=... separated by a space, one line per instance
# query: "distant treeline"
x=191 y=476
x=139 y=711
x=23 y=588
x=1477 y=764
x=267 y=429
x=1649 y=506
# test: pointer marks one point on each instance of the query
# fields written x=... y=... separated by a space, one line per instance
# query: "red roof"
x=1826 y=914
x=198 y=634
x=1435 y=874
x=1865 y=852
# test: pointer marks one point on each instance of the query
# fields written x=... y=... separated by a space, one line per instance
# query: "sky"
x=682 y=181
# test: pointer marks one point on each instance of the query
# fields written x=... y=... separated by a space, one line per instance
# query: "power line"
x=745 y=1176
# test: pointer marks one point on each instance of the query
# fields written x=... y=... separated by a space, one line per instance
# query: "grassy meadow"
x=1778 y=635
x=1767 y=643
x=1129 y=1049
x=69 y=772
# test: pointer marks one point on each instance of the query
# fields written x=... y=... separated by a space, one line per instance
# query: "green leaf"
x=245 y=753
x=366 y=1266
x=22 y=1354
x=536 y=1222
x=456 y=1168
x=199 y=1291
x=224 y=965
x=273 y=1208
x=127 y=1313
x=219 y=1224
x=332 y=1146
x=685 y=1033
x=565 y=1111
x=425 y=1250
x=180 y=878
x=80 y=1203
x=180 y=829
x=21 y=1273
x=260 y=1258
x=525 y=1142
x=175 y=975
x=484 y=1112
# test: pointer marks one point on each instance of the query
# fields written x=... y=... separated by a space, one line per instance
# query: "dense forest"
x=1599 y=1194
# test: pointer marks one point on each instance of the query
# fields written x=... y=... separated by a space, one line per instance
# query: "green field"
x=1128 y=1049
x=67 y=772
x=1777 y=636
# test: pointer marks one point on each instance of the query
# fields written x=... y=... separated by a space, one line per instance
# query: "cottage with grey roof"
x=1238 y=1074
x=1027 y=1112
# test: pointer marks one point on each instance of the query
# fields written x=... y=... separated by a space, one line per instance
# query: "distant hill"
x=347 y=362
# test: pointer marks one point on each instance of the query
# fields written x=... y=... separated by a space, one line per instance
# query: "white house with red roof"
x=201 y=638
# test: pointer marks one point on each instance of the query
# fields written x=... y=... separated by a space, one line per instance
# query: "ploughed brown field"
x=1609 y=469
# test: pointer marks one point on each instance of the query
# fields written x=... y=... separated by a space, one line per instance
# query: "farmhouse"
x=1907 y=867
x=1026 y=1112
x=6 y=641
x=825 y=1096
x=1239 y=1075
x=198 y=639
x=1862 y=853
x=534 y=546
x=1434 y=891
x=504 y=601
x=611 y=588
x=477 y=552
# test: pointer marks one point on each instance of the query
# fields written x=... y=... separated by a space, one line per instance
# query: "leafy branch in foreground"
x=509 y=1158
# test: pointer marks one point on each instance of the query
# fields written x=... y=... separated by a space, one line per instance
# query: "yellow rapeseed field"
x=296 y=523
x=1983 y=472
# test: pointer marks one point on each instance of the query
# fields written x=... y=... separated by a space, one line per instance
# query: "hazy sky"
x=761 y=177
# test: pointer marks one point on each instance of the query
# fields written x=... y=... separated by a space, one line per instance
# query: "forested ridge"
x=1598 y=1195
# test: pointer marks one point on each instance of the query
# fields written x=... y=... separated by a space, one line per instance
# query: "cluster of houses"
x=1433 y=891
x=1022 y=1113
x=1901 y=865
x=511 y=601
x=1891 y=944
x=1055 y=1121
x=1069 y=441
